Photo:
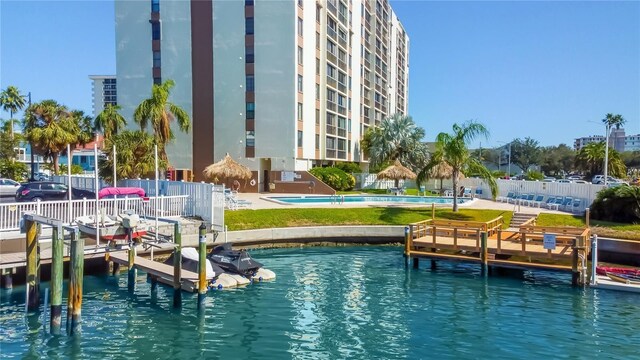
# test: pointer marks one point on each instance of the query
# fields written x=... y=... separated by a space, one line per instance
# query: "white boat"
x=113 y=228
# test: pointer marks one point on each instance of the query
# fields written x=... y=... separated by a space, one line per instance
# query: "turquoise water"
x=365 y=198
x=342 y=303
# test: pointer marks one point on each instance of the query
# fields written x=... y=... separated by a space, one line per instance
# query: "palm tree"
x=135 y=157
x=160 y=113
x=50 y=127
x=591 y=159
x=616 y=120
x=109 y=121
x=452 y=150
x=12 y=101
x=397 y=138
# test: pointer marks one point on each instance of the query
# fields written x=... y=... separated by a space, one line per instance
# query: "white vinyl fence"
x=586 y=192
x=203 y=199
x=80 y=182
x=370 y=181
x=163 y=206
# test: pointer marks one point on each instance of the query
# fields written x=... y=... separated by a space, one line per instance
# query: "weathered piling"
x=202 y=266
x=33 y=279
x=76 y=273
x=177 y=266
x=7 y=278
x=57 y=245
x=484 y=253
x=406 y=245
x=131 y=262
x=575 y=272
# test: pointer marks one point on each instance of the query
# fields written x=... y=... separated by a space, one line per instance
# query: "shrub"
x=618 y=204
x=334 y=177
x=533 y=175
x=349 y=167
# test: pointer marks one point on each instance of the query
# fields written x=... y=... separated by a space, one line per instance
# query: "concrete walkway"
x=259 y=201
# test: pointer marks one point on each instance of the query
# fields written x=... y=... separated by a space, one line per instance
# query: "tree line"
x=49 y=127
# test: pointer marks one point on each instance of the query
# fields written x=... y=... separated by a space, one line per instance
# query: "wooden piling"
x=433 y=211
x=416 y=262
x=406 y=243
x=33 y=280
x=7 y=278
x=76 y=273
x=57 y=274
x=131 y=263
x=177 y=266
x=587 y=215
x=575 y=271
x=202 y=266
x=484 y=252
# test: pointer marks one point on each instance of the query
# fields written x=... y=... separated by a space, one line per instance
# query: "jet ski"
x=190 y=263
x=234 y=261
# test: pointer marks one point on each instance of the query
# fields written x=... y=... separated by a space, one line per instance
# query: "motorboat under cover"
x=190 y=263
x=120 y=191
x=235 y=261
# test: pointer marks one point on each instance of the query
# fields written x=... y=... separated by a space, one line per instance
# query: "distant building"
x=104 y=92
x=617 y=141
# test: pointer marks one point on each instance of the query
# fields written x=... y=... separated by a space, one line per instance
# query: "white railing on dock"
x=163 y=206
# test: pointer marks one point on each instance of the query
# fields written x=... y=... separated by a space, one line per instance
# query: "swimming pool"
x=332 y=199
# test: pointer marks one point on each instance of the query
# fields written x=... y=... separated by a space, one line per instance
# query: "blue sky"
x=548 y=70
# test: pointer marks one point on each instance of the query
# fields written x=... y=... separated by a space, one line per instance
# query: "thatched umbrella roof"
x=396 y=172
x=227 y=168
x=441 y=171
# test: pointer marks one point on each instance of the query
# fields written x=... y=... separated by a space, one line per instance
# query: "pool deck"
x=258 y=201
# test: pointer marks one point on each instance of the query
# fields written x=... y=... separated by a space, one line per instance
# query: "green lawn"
x=275 y=218
x=272 y=218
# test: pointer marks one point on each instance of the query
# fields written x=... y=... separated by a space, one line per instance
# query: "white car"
x=549 y=179
x=8 y=187
x=580 y=182
x=564 y=181
x=574 y=177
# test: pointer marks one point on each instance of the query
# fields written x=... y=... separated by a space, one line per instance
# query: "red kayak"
x=603 y=270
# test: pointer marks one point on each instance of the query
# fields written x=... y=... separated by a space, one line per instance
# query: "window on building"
x=331 y=47
x=317 y=116
x=251 y=138
x=317 y=92
x=299 y=83
x=248 y=2
x=299 y=111
x=155 y=6
x=155 y=30
x=331 y=95
x=331 y=71
x=250 y=83
x=300 y=28
x=157 y=81
x=317 y=66
x=318 y=12
x=248 y=55
x=299 y=138
x=251 y=110
x=248 y=26
x=317 y=141
x=156 y=59
x=299 y=55
x=317 y=40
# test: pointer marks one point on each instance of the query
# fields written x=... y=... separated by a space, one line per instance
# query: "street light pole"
x=509 y=160
x=606 y=154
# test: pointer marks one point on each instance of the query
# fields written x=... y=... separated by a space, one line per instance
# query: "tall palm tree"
x=397 y=138
x=612 y=120
x=12 y=101
x=158 y=111
x=50 y=127
x=135 y=157
x=452 y=150
x=591 y=159
x=109 y=121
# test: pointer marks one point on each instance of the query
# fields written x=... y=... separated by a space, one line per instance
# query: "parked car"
x=580 y=182
x=574 y=177
x=564 y=181
x=47 y=190
x=549 y=179
x=599 y=179
x=8 y=187
x=616 y=182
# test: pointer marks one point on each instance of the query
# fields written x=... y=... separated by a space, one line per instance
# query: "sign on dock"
x=549 y=241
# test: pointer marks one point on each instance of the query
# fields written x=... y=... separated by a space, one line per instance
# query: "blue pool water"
x=365 y=198
x=341 y=303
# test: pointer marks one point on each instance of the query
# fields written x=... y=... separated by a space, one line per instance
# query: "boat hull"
x=110 y=232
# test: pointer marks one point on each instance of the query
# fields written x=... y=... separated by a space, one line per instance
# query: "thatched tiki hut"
x=396 y=172
x=441 y=171
x=227 y=169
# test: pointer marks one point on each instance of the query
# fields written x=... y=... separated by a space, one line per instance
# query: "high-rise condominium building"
x=104 y=92
x=277 y=84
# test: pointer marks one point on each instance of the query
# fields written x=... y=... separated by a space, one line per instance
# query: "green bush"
x=349 y=167
x=334 y=177
x=13 y=170
x=618 y=204
x=533 y=175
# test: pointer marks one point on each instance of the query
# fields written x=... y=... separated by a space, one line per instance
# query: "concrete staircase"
x=519 y=219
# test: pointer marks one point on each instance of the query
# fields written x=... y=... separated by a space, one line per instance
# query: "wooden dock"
x=530 y=248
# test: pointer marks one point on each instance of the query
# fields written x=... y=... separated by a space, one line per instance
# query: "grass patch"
x=276 y=218
x=601 y=228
